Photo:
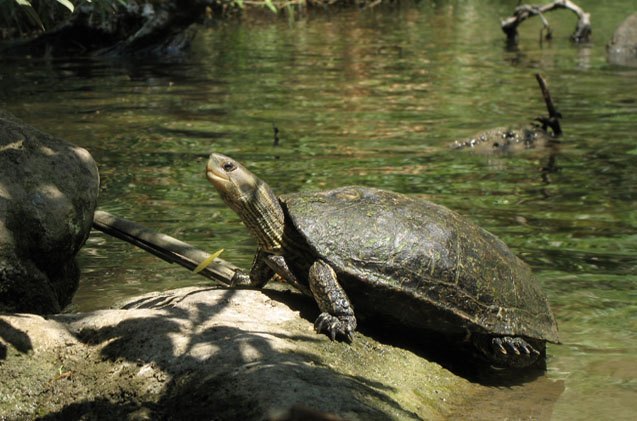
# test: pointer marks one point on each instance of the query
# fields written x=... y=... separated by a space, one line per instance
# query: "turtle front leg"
x=261 y=272
x=337 y=314
x=266 y=265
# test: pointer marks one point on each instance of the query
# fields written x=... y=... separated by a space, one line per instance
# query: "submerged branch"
x=523 y=12
x=553 y=119
x=165 y=247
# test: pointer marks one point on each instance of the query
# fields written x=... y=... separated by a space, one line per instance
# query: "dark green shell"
x=420 y=263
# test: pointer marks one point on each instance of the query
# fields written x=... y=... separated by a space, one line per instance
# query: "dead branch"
x=165 y=247
x=523 y=12
x=553 y=119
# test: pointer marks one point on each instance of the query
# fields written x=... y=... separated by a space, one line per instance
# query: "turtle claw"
x=497 y=343
x=516 y=345
x=513 y=348
x=528 y=349
x=509 y=351
x=333 y=326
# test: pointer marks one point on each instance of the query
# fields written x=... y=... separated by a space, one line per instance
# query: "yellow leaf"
x=207 y=261
x=67 y=4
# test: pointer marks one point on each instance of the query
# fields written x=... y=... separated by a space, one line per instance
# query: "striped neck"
x=261 y=212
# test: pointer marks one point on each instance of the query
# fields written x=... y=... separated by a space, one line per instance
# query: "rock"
x=206 y=353
x=505 y=140
x=48 y=193
x=622 y=48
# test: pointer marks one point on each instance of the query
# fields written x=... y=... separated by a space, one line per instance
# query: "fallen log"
x=167 y=248
x=523 y=12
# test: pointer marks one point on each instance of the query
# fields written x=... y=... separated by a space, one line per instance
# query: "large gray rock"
x=206 y=353
x=198 y=353
x=622 y=48
x=48 y=193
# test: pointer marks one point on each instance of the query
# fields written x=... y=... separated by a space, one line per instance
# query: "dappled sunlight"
x=47 y=151
x=370 y=98
x=18 y=144
x=188 y=352
x=202 y=351
x=4 y=192
x=47 y=199
x=51 y=192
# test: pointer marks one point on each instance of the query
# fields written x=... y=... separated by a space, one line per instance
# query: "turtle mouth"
x=216 y=177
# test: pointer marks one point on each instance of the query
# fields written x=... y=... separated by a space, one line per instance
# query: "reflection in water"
x=374 y=98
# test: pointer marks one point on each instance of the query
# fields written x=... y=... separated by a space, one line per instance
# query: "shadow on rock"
x=14 y=337
x=455 y=355
x=227 y=354
x=450 y=352
x=100 y=408
x=283 y=379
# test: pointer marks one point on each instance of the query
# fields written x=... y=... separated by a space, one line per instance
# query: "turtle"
x=381 y=255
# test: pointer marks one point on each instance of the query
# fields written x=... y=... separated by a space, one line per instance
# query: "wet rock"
x=204 y=353
x=622 y=48
x=48 y=193
x=514 y=139
x=505 y=140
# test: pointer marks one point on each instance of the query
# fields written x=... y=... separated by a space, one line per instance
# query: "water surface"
x=374 y=98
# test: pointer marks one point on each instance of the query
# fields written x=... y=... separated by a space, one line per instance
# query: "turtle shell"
x=420 y=263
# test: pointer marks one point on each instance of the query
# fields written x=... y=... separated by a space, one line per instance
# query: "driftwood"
x=523 y=12
x=167 y=248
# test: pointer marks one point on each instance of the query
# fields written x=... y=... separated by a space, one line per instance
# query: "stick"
x=553 y=120
x=523 y=12
x=165 y=247
x=275 y=129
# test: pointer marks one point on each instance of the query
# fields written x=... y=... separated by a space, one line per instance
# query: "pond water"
x=374 y=98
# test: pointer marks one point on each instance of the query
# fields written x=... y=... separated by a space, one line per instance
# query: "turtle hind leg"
x=510 y=351
x=337 y=314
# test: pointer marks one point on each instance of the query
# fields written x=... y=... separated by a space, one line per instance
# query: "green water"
x=374 y=98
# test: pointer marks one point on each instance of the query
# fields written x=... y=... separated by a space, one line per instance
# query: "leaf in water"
x=271 y=6
x=207 y=261
x=67 y=4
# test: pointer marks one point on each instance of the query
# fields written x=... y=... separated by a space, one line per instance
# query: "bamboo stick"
x=166 y=247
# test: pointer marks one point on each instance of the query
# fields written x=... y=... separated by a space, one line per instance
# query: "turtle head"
x=251 y=198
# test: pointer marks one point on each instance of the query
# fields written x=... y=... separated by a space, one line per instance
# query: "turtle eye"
x=229 y=166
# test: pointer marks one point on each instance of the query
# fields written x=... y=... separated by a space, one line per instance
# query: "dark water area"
x=375 y=98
